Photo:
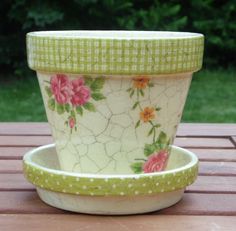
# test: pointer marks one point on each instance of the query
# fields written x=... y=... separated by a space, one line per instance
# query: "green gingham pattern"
x=110 y=186
x=114 y=56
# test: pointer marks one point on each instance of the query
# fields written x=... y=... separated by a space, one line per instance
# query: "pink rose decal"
x=73 y=96
x=80 y=93
x=61 y=88
x=156 y=162
x=71 y=122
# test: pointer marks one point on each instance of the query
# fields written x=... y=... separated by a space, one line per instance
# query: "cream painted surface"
x=106 y=140
x=110 y=205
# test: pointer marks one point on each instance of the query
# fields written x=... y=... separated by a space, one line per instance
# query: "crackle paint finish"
x=113 y=124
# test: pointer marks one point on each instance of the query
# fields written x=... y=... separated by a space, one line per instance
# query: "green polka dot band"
x=41 y=169
x=115 y=52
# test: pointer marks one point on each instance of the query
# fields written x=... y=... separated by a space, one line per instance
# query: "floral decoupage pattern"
x=157 y=151
x=73 y=96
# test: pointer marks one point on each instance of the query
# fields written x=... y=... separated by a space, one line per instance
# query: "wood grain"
x=11 y=166
x=217 y=168
x=13 y=153
x=22 y=141
x=213 y=184
x=217 y=155
x=201 y=142
x=29 y=222
x=191 y=204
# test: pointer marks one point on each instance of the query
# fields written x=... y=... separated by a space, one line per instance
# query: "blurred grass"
x=212 y=98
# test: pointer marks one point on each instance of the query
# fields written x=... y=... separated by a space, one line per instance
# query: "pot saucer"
x=109 y=194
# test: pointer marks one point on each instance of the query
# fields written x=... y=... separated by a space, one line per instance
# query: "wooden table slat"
x=29 y=222
x=191 y=204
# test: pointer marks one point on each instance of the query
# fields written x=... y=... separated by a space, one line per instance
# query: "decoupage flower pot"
x=114 y=99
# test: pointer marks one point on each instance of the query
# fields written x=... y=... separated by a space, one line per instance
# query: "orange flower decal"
x=147 y=114
x=141 y=82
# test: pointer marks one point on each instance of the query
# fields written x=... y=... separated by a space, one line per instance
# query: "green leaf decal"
x=51 y=104
x=141 y=92
x=97 y=84
x=60 y=108
x=149 y=149
x=151 y=131
x=162 y=138
x=88 y=80
x=48 y=90
x=98 y=96
x=158 y=109
x=89 y=106
x=79 y=110
x=67 y=107
x=137 y=167
x=137 y=124
x=135 y=105
x=131 y=93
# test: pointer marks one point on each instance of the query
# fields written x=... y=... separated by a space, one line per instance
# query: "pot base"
x=110 y=205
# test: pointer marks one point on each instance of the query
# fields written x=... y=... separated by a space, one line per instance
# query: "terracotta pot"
x=114 y=99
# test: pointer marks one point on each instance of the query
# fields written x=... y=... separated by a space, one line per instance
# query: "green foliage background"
x=215 y=19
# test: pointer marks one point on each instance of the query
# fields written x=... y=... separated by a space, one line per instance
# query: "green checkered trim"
x=114 y=56
x=112 y=186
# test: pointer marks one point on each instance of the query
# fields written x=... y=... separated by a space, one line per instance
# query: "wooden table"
x=209 y=204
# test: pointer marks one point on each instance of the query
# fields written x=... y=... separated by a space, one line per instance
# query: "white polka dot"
x=41 y=186
x=130 y=185
x=64 y=190
x=150 y=177
x=136 y=192
x=106 y=179
x=70 y=185
x=46 y=181
x=41 y=172
x=174 y=174
x=113 y=186
x=99 y=187
x=150 y=191
x=77 y=179
x=157 y=183
x=91 y=193
x=91 y=180
x=51 y=175
x=178 y=180
x=173 y=188
x=122 y=193
x=168 y=182
x=143 y=184
x=162 y=190
x=163 y=176
x=121 y=178
x=84 y=186
x=77 y=193
x=52 y=188
x=58 y=183
x=64 y=177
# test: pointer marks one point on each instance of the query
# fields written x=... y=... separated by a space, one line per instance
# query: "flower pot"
x=114 y=99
